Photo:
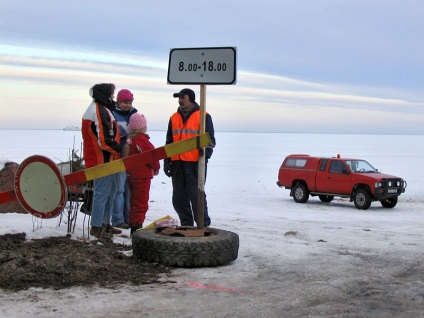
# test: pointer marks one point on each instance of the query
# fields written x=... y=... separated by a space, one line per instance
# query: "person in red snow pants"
x=139 y=178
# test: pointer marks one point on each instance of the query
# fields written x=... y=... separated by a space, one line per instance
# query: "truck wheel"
x=389 y=202
x=219 y=248
x=362 y=199
x=326 y=198
x=300 y=193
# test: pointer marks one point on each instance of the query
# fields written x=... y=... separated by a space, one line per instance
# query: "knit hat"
x=137 y=121
x=124 y=94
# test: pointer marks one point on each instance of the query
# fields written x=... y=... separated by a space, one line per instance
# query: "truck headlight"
x=398 y=183
x=378 y=185
x=390 y=183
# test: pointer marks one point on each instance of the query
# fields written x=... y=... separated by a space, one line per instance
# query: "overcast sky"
x=302 y=66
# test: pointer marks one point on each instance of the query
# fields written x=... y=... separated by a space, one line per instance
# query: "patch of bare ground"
x=61 y=262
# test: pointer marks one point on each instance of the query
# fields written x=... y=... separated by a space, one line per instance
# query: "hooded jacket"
x=102 y=94
x=99 y=130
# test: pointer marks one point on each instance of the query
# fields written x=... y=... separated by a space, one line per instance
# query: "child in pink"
x=139 y=178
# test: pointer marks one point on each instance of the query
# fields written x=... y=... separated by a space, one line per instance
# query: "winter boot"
x=96 y=231
x=122 y=225
x=99 y=233
x=112 y=230
x=136 y=228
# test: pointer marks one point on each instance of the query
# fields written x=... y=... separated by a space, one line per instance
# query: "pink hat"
x=137 y=121
x=124 y=94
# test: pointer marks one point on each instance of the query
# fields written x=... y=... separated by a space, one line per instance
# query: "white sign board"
x=213 y=65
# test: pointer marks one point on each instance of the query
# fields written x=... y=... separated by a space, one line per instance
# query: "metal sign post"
x=213 y=66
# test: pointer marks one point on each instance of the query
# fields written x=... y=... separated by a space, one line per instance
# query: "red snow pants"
x=139 y=200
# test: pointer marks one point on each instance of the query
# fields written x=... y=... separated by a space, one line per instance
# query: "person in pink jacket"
x=139 y=178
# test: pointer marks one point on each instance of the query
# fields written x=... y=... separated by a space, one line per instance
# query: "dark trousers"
x=185 y=192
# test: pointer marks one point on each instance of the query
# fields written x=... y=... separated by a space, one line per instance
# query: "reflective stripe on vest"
x=181 y=131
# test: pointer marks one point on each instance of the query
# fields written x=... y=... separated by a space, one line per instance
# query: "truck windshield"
x=360 y=166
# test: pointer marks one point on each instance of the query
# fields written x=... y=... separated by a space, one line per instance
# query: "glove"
x=167 y=167
x=116 y=146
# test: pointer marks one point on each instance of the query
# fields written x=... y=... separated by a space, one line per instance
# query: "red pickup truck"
x=327 y=178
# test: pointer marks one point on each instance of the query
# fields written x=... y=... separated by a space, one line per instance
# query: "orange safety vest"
x=181 y=131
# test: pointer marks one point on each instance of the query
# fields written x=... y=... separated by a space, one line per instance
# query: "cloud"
x=53 y=92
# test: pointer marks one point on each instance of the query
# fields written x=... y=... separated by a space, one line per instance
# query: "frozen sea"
x=295 y=260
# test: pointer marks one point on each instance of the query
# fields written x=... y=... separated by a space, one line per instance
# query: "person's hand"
x=167 y=167
x=116 y=146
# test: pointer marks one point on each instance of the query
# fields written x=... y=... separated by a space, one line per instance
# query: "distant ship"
x=71 y=128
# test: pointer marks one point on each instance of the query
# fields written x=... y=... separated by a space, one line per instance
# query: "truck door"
x=338 y=179
x=321 y=177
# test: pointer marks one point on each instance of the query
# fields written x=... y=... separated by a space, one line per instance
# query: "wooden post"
x=202 y=163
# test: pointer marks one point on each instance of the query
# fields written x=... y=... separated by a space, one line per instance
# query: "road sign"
x=40 y=187
x=213 y=65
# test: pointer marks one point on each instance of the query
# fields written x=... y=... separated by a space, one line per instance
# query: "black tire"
x=389 y=202
x=362 y=199
x=300 y=193
x=326 y=198
x=220 y=248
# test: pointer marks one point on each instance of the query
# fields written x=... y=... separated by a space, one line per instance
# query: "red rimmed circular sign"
x=40 y=187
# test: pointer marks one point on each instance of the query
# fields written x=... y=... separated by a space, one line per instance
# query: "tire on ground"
x=326 y=198
x=300 y=193
x=389 y=202
x=362 y=199
x=220 y=248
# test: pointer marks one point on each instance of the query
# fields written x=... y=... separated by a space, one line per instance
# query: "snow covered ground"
x=295 y=260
